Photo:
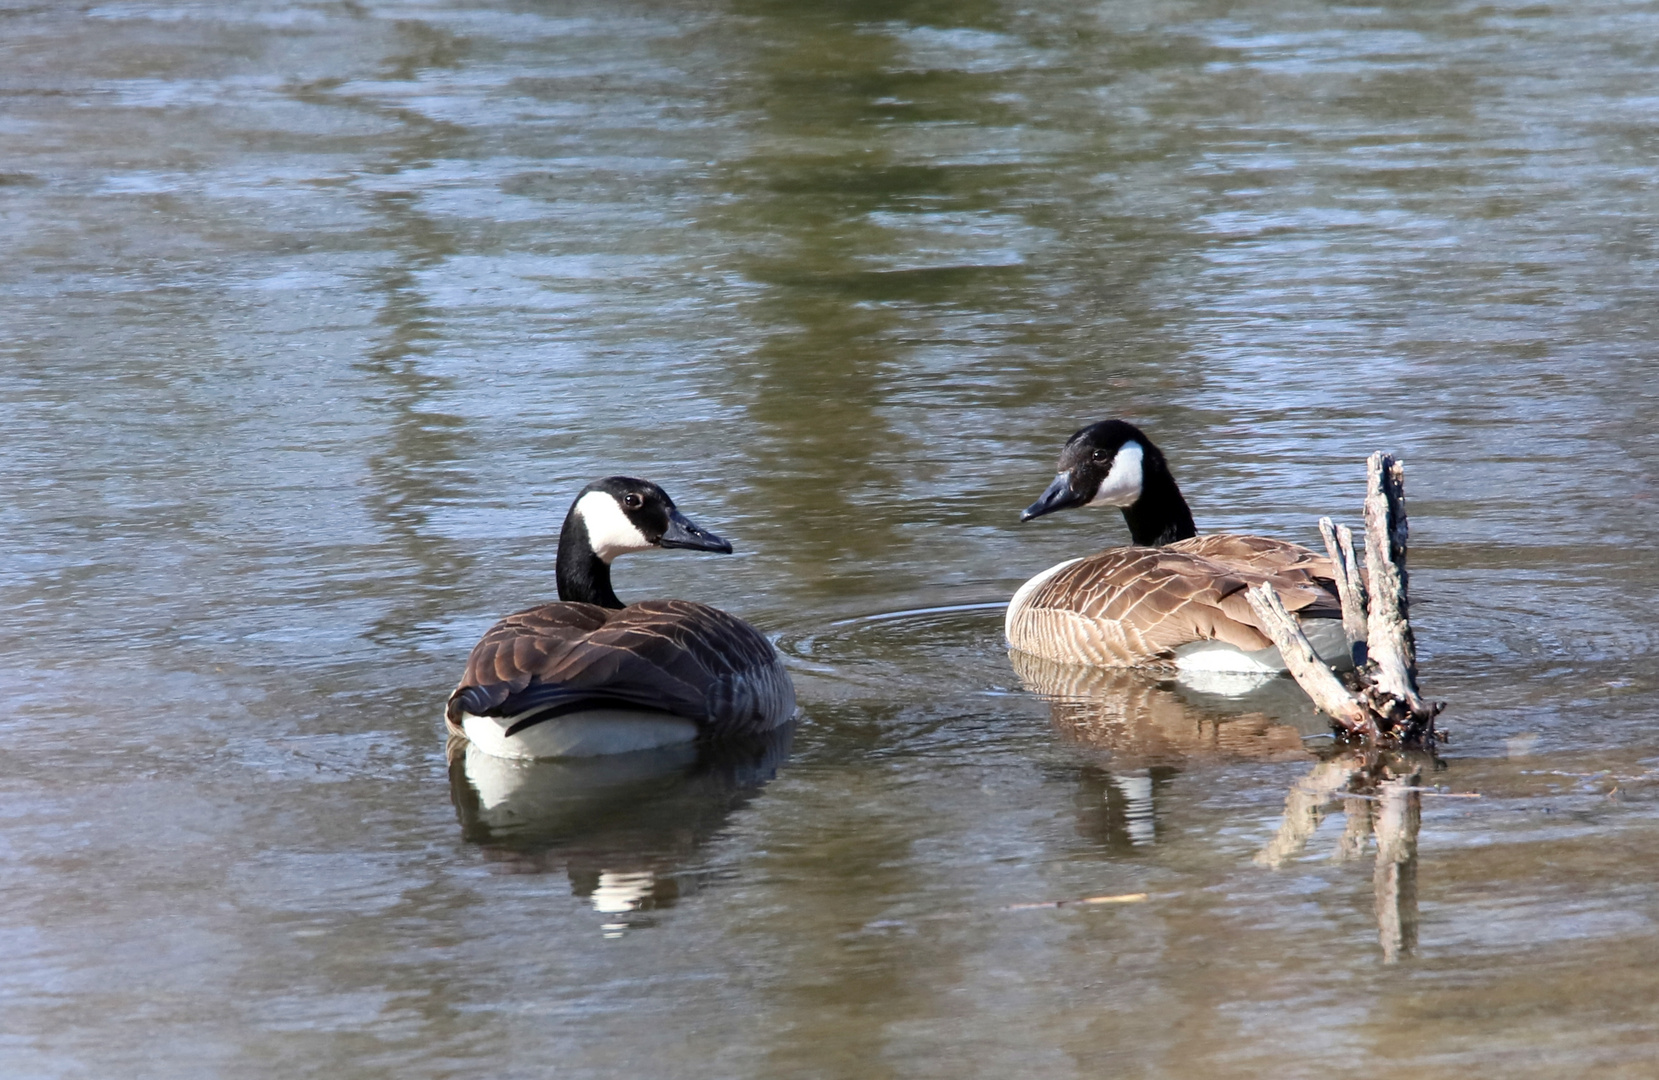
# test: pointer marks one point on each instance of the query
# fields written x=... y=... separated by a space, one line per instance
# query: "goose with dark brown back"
x=590 y=675
x=1174 y=600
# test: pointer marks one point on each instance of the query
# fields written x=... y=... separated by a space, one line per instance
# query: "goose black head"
x=620 y=514
x=1102 y=464
x=1113 y=463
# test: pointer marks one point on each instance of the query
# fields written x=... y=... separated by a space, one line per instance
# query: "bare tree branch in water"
x=1383 y=705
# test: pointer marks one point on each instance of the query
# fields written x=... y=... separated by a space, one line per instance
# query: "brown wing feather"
x=1128 y=607
x=1258 y=554
x=675 y=656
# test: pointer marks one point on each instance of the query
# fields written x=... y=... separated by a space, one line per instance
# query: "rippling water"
x=317 y=314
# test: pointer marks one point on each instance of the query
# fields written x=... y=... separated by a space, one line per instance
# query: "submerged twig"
x=1430 y=792
x=1082 y=901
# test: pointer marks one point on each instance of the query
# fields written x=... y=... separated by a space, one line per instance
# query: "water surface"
x=317 y=315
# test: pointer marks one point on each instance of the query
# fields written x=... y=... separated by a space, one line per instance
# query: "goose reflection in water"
x=623 y=827
x=1152 y=728
x=1142 y=718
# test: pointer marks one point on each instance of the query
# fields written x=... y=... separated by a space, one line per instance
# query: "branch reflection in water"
x=1153 y=727
x=1380 y=796
x=626 y=828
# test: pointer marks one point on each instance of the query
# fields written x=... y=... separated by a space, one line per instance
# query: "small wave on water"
x=913 y=645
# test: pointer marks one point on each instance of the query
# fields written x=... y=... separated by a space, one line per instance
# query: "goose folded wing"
x=1302 y=597
x=1256 y=554
x=1169 y=598
x=1289 y=566
x=672 y=657
x=517 y=651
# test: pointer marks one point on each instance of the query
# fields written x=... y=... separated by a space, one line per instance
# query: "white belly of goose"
x=1215 y=667
x=1325 y=635
x=579 y=734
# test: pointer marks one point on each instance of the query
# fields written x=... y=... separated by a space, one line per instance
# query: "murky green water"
x=316 y=315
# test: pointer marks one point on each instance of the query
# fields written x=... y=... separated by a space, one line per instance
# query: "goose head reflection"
x=622 y=827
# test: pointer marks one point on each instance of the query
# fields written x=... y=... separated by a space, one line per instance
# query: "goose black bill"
x=1059 y=496
x=682 y=532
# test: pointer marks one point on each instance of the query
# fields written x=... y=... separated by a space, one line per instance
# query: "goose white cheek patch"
x=609 y=530
x=1122 y=485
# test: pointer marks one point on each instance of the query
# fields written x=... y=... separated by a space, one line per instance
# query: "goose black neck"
x=582 y=575
x=1160 y=516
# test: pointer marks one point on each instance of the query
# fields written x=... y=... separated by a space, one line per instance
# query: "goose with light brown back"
x=1172 y=601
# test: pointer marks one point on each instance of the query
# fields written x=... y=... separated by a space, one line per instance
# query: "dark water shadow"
x=626 y=828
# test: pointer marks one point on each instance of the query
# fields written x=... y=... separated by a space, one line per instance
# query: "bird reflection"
x=1381 y=797
x=1115 y=806
x=622 y=827
x=1153 y=728
x=1147 y=721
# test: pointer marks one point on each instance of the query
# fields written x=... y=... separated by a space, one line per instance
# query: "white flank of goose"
x=590 y=675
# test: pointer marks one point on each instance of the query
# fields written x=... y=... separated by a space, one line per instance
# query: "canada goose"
x=589 y=675
x=1175 y=599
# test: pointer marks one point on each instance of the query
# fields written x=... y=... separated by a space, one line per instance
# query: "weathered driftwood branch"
x=1339 y=545
x=1384 y=704
x=1392 y=652
x=1319 y=681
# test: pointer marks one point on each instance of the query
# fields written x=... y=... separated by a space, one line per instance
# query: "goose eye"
x=1101 y=455
x=632 y=501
